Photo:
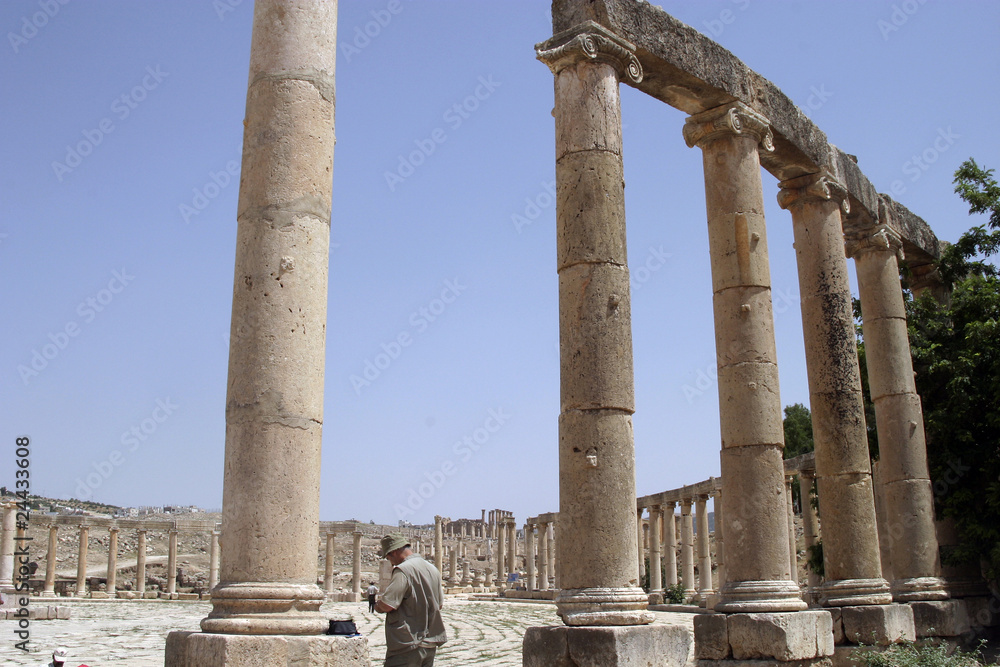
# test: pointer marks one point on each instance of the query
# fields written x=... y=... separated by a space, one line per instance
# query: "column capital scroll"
x=881 y=238
x=590 y=41
x=734 y=118
x=811 y=187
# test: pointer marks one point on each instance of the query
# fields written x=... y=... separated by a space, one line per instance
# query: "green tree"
x=956 y=357
x=798 y=430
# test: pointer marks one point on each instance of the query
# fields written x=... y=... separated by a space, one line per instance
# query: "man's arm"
x=383 y=608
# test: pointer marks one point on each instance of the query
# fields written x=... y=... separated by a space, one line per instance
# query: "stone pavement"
x=132 y=634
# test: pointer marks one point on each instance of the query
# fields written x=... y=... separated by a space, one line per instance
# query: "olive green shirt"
x=415 y=594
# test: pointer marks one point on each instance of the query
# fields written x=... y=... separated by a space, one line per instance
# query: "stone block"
x=98 y=595
x=940 y=618
x=151 y=595
x=62 y=613
x=200 y=649
x=838 y=625
x=783 y=636
x=606 y=646
x=711 y=637
x=815 y=662
x=188 y=596
x=880 y=624
x=983 y=612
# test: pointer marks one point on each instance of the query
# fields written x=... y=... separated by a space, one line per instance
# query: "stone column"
x=501 y=553
x=438 y=545
x=81 y=561
x=793 y=550
x=511 y=546
x=529 y=555
x=810 y=522
x=140 y=562
x=552 y=554
x=112 y=576
x=274 y=403
x=172 y=564
x=704 y=550
x=213 y=561
x=687 y=550
x=543 y=556
x=50 y=562
x=640 y=548
x=7 y=530
x=598 y=583
x=655 y=573
x=670 y=547
x=898 y=417
x=329 y=562
x=843 y=467
x=466 y=574
x=749 y=402
x=356 y=564
x=453 y=567
x=720 y=542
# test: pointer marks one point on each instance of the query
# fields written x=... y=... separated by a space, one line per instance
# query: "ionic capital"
x=813 y=187
x=881 y=238
x=590 y=41
x=734 y=118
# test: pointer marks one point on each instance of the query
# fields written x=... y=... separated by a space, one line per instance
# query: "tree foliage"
x=956 y=357
x=798 y=430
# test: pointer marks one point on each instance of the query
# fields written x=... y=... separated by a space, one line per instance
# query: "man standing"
x=372 y=592
x=412 y=601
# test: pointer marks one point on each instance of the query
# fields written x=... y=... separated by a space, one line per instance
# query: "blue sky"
x=122 y=126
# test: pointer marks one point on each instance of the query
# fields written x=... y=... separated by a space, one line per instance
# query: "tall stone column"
x=172 y=563
x=529 y=556
x=810 y=522
x=899 y=419
x=329 y=562
x=553 y=565
x=687 y=550
x=438 y=545
x=793 y=551
x=749 y=402
x=598 y=583
x=655 y=573
x=140 y=562
x=639 y=546
x=670 y=544
x=213 y=561
x=501 y=553
x=50 y=562
x=843 y=467
x=112 y=576
x=720 y=541
x=704 y=549
x=453 y=567
x=7 y=530
x=81 y=561
x=274 y=403
x=356 y=565
x=511 y=546
x=543 y=556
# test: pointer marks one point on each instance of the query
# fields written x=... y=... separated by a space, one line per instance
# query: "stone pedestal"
x=939 y=618
x=804 y=637
x=202 y=649
x=631 y=646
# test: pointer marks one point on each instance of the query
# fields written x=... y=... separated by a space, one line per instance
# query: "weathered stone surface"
x=195 y=649
x=814 y=662
x=711 y=637
x=631 y=646
x=782 y=636
x=940 y=618
x=882 y=624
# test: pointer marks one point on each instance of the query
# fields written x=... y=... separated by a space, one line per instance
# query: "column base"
x=606 y=646
x=741 y=597
x=919 y=588
x=254 y=608
x=603 y=606
x=880 y=625
x=200 y=649
x=801 y=637
x=855 y=593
